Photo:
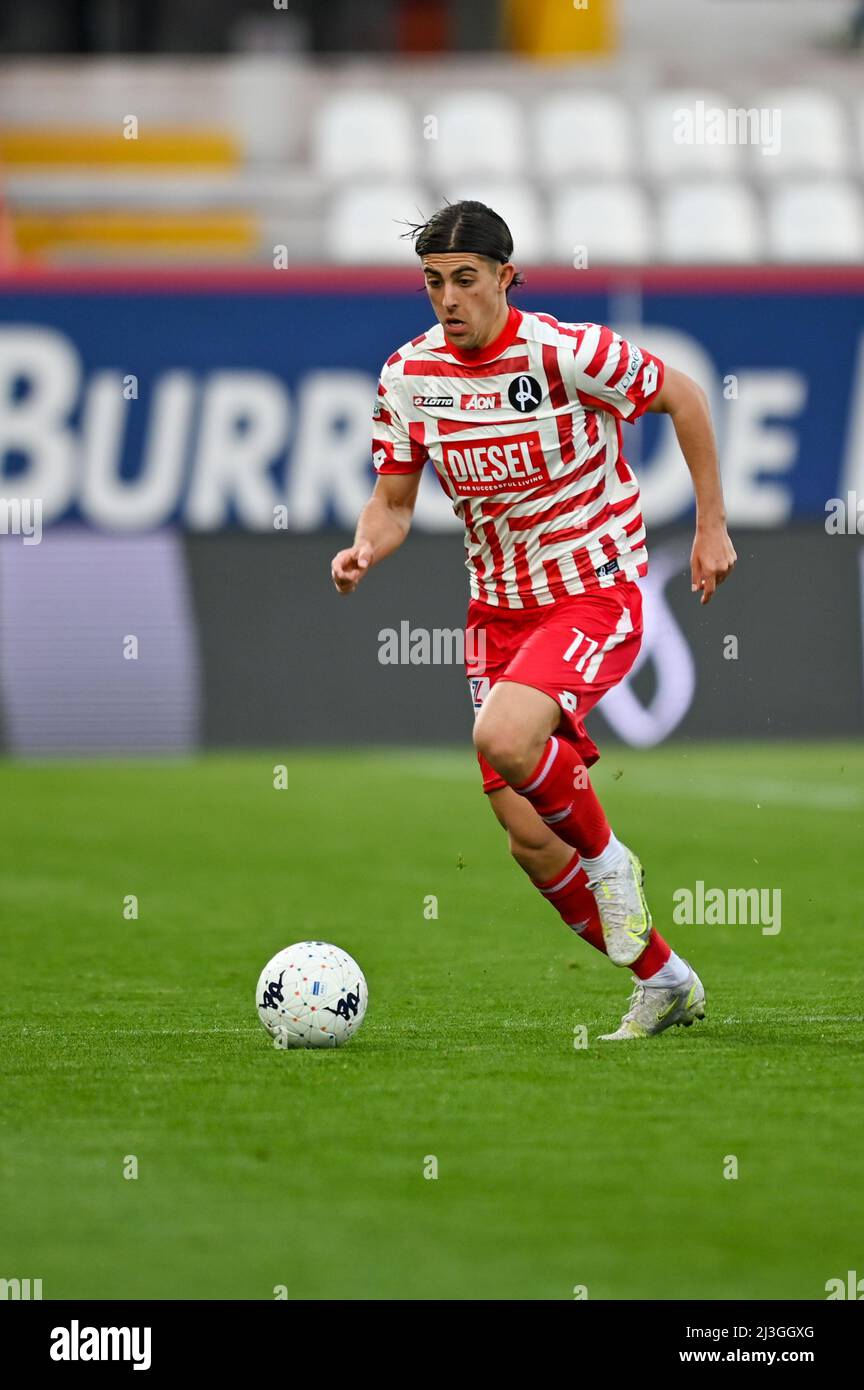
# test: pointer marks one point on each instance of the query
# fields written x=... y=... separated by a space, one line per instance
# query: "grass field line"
x=759 y=1014
x=97 y=1027
x=741 y=791
x=779 y=793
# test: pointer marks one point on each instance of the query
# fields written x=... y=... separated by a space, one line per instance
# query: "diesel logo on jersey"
x=495 y=465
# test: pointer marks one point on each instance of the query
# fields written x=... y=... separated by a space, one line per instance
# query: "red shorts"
x=574 y=650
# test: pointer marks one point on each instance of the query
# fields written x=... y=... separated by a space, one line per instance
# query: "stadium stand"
x=253 y=153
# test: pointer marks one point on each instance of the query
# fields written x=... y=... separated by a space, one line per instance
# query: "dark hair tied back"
x=467 y=226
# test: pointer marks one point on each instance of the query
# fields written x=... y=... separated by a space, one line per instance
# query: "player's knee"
x=504 y=747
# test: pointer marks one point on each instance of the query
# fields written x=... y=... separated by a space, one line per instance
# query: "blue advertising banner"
x=134 y=402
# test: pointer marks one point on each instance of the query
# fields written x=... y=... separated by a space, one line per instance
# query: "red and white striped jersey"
x=525 y=437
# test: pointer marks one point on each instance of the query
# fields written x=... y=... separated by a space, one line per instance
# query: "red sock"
x=655 y=955
x=561 y=794
x=569 y=894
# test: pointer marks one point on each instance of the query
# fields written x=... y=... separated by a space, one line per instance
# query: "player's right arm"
x=383 y=525
x=385 y=521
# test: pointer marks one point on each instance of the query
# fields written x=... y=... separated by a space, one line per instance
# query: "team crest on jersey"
x=481 y=400
x=524 y=394
x=431 y=402
x=484 y=467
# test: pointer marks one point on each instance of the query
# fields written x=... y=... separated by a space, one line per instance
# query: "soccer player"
x=521 y=417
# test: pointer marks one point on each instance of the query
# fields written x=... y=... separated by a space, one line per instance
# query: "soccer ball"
x=311 y=994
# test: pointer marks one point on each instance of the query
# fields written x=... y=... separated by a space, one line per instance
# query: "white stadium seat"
x=676 y=126
x=717 y=222
x=816 y=222
x=364 y=224
x=518 y=204
x=611 y=221
x=474 y=133
x=583 y=133
x=813 y=134
x=362 y=132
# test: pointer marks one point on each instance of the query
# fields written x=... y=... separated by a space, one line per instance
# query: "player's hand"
x=349 y=566
x=712 y=559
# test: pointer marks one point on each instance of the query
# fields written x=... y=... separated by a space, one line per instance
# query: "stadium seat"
x=71 y=147
x=583 y=133
x=611 y=221
x=813 y=134
x=364 y=224
x=675 y=125
x=816 y=222
x=716 y=221
x=363 y=133
x=518 y=204
x=475 y=133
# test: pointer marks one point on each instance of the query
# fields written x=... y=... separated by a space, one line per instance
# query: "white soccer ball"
x=311 y=994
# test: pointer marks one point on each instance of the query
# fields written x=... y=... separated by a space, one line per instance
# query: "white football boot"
x=623 y=910
x=654 y=1008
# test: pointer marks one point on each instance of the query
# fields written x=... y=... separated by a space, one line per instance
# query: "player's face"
x=468 y=295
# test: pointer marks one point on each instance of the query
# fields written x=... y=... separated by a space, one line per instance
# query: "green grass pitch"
x=600 y=1167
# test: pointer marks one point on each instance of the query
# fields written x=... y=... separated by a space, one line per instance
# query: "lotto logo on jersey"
x=482 y=400
x=649 y=379
x=495 y=465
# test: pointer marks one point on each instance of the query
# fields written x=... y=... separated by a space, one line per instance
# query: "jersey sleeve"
x=615 y=375
x=396 y=447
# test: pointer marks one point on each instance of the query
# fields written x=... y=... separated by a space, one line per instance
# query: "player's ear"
x=506 y=274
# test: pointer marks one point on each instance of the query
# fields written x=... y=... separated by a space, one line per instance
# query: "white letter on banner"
x=34 y=423
x=232 y=463
x=150 y=498
x=754 y=447
x=330 y=461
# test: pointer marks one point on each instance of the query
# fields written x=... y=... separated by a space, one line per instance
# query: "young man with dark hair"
x=521 y=416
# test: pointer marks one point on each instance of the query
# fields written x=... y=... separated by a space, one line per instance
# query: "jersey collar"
x=490 y=350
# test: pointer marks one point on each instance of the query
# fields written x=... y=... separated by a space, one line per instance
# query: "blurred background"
x=202 y=271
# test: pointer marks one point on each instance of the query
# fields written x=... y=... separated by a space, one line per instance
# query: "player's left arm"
x=713 y=557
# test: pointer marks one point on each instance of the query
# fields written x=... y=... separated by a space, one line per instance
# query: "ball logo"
x=347 y=1007
x=524 y=394
x=273 y=992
